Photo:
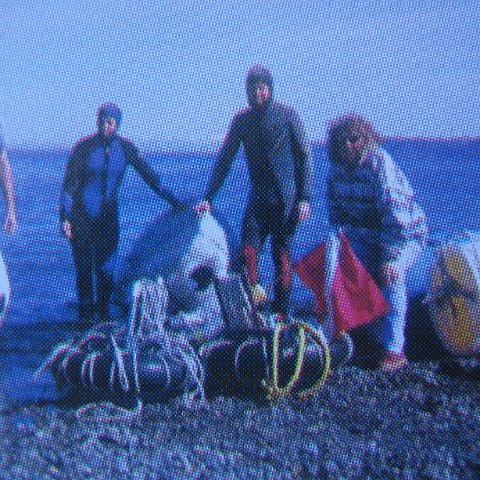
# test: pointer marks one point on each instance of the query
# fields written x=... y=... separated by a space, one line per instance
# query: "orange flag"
x=347 y=295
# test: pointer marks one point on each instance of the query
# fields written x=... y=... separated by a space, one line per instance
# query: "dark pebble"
x=362 y=425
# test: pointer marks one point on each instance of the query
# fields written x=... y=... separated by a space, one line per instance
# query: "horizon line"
x=174 y=146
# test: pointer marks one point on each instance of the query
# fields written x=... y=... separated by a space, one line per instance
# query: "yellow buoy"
x=454 y=297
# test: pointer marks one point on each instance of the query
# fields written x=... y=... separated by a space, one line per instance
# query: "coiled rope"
x=272 y=385
x=146 y=326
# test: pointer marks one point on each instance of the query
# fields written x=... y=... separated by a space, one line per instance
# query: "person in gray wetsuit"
x=280 y=172
x=89 y=207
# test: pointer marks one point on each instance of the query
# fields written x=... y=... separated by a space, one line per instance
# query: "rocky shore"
x=420 y=423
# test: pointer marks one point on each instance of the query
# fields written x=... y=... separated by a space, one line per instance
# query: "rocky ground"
x=420 y=423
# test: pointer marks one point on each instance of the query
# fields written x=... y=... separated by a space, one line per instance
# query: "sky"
x=177 y=67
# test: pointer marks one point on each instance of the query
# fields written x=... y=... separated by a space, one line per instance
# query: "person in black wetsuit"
x=89 y=207
x=280 y=172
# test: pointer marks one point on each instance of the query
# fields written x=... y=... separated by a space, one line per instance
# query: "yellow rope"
x=320 y=340
x=274 y=390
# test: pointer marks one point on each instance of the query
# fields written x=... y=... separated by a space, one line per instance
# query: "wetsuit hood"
x=258 y=74
x=108 y=110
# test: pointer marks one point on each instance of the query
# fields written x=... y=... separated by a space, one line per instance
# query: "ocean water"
x=42 y=311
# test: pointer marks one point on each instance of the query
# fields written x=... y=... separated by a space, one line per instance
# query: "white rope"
x=149 y=311
x=93 y=411
x=147 y=322
x=61 y=349
x=146 y=325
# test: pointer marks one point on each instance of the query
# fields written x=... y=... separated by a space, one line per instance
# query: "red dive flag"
x=352 y=297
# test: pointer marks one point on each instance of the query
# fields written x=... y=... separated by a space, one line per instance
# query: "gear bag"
x=126 y=365
x=267 y=365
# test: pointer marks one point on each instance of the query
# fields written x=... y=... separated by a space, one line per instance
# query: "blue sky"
x=177 y=68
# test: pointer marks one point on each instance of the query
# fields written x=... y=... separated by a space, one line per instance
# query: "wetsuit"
x=279 y=167
x=89 y=201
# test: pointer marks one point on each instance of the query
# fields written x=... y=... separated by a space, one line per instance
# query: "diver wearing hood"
x=89 y=207
x=280 y=171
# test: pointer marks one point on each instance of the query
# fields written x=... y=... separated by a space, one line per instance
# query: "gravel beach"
x=422 y=422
